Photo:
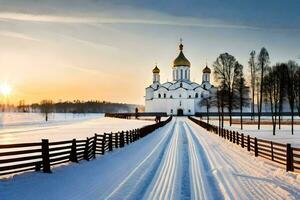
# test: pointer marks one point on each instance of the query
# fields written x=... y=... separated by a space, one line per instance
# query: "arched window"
x=171 y=97
x=171 y=110
x=159 y=95
x=165 y=95
x=179 y=95
x=180 y=84
x=204 y=86
x=181 y=74
x=190 y=96
x=197 y=95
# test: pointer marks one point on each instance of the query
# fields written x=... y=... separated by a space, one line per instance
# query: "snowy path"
x=178 y=161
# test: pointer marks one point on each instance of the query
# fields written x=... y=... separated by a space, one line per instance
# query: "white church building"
x=181 y=96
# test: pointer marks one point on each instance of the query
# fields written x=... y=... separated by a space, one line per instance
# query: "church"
x=181 y=96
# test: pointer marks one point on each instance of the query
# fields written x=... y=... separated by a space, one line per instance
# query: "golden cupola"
x=181 y=60
x=206 y=70
x=155 y=70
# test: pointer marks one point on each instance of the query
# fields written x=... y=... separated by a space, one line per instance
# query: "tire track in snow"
x=164 y=183
x=185 y=192
x=202 y=180
x=136 y=189
x=231 y=188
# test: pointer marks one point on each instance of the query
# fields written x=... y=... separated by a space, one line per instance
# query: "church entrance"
x=179 y=112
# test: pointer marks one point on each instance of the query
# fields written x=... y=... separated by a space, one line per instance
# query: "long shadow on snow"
x=212 y=183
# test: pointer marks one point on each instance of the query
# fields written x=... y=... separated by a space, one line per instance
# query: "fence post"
x=242 y=140
x=272 y=153
x=86 y=150
x=248 y=143
x=255 y=147
x=103 y=145
x=110 y=143
x=289 y=158
x=73 y=154
x=131 y=136
x=127 y=139
x=227 y=133
x=45 y=156
x=233 y=136
x=117 y=140
x=122 y=139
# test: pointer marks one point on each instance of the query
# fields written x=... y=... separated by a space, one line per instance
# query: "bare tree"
x=46 y=108
x=243 y=94
x=206 y=102
x=226 y=72
x=297 y=90
x=292 y=68
x=282 y=89
x=252 y=67
x=272 y=92
x=263 y=61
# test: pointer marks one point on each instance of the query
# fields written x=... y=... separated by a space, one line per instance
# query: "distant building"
x=181 y=96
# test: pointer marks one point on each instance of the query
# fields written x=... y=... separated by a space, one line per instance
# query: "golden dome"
x=206 y=70
x=181 y=60
x=156 y=70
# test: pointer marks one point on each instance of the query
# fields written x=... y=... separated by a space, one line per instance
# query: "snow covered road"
x=178 y=161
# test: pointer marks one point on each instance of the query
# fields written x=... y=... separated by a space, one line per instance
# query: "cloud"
x=18 y=36
x=45 y=18
x=158 y=19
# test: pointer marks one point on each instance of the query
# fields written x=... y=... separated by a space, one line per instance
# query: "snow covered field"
x=13 y=119
x=283 y=135
x=178 y=161
x=60 y=129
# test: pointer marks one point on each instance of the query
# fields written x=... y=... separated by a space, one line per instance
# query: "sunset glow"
x=5 y=89
x=102 y=50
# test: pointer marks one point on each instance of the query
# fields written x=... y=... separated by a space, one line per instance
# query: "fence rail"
x=283 y=154
x=41 y=156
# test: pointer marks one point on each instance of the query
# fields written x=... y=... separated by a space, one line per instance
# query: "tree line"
x=268 y=86
x=48 y=106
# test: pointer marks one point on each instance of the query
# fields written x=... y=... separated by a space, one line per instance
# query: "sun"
x=5 y=89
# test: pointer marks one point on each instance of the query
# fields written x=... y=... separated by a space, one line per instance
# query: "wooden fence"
x=41 y=156
x=136 y=115
x=283 y=154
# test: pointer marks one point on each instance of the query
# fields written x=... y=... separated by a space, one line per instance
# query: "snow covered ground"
x=266 y=132
x=58 y=130
x=178 y=161
x=14 y=119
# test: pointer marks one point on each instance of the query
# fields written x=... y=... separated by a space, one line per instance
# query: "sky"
x=106 y=50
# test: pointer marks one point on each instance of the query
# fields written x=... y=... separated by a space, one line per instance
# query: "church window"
x=171 y=110
x=180 y=84
x=190 y=96
x=204 y=86
x=179 y=95
x=159 y=95
x=181 y=74
x=189 y=110
x=196 y=96
x=165 y=95
x=180 y=103
x=171 y=97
